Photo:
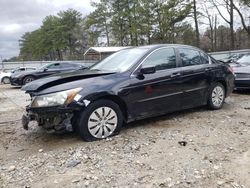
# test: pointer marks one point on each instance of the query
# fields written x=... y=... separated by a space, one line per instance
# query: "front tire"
x=100 y=120
x=28 y=79
x=216 y=96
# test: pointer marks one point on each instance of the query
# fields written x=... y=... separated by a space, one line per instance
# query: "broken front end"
x=55 y=112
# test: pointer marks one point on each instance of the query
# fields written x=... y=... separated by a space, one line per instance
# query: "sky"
x=20 y=16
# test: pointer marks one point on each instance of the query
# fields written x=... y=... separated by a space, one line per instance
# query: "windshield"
x=120 y=61
x=244 y=60
x=14 y=70
x=42 y=67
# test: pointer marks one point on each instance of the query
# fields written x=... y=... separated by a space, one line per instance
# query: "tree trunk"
x=221 y=41
x=197 y=33
x=148 y=32
x=232 y=46
x=160 y=25
x=248 y=37
x=211 y=32
x=135 y=25
x=243 y=20
x=149 y=38
x=107 y=31
x=215 y=33
x=59 y=54
x=173 y=34
x=120 y=25
x=230 y=9
x=70 y=47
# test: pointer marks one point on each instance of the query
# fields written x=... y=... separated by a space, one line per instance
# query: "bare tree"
x=215 y=32
x=212 y=25
x=229 y=6
x=197 y=33
x=243 y=20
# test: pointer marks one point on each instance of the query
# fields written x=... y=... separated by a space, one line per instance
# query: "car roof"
x=155 y=46
x=60 y=62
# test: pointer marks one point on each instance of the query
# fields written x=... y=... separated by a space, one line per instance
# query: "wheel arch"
x=4 y=77
x=210 y=103
x=31 y=75
x=116 y=99
x=223 y=82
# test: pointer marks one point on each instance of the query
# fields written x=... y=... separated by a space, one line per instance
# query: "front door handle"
x=208 y=69
x=174 y=75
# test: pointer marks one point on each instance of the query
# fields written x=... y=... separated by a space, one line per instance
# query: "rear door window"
x=204 y=58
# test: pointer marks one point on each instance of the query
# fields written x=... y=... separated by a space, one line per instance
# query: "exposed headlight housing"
x=55 y=99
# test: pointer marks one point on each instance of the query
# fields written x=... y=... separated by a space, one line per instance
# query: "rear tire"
x=100 y=120
x=6 y=80
x=28 y=79
x=216 y=96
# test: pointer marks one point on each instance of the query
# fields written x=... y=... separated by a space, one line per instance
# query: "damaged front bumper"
x=53 y=119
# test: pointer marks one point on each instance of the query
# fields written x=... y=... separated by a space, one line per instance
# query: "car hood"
x=62 y=78
x=2 y=74
x=24 y=73
x=241 y=69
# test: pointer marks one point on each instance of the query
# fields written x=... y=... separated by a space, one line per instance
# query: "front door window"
x=162 y=59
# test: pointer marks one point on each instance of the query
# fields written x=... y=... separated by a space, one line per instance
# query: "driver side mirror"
x=45 y=69
x=148 y=70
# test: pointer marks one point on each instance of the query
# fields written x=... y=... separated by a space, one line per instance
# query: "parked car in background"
x=232 y=58
x=22 y=78
x=22 y=69
x=5 y=76
x=242 y=71
x=129 y=85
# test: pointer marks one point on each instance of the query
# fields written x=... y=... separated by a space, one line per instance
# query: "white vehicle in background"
x=5 y=76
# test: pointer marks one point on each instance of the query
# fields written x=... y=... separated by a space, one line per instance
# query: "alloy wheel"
x=102 y=122
x=218 y=96
x=28 y=80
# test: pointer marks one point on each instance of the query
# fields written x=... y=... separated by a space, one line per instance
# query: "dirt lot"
x=145 y=154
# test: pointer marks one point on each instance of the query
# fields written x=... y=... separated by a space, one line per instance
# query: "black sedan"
x=129 y=85
x=242 y=72
x=22 y=78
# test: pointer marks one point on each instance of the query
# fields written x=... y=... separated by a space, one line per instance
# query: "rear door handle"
x=208 y=69
x=174 y=75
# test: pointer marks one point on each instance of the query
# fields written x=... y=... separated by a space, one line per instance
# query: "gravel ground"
x=195 y=148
